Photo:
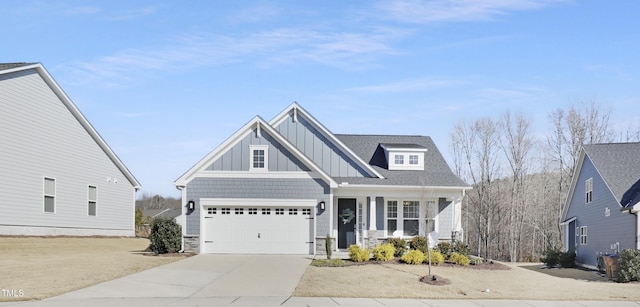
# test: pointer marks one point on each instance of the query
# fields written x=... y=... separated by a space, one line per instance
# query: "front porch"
x=368 y=220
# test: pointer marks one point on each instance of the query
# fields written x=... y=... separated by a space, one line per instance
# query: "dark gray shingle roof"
x=436 y=172
x=619 y=166
x=4 y=66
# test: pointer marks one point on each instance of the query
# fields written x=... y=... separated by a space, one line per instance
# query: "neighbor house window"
x=392 y=217
x=399 y=159
x=92 y=200
x=588 y=187
x=258 y=157
x=410 y=217
x=583 y=235
x=49 y=195
x=413 y=159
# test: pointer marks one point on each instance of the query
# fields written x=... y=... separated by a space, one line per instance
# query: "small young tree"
x=327 y=246
x=165 y=236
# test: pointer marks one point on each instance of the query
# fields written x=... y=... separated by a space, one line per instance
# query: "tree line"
x=520 y=179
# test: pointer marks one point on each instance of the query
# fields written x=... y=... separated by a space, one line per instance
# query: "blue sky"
x=165 y=82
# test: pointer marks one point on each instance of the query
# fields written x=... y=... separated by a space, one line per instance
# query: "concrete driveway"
x=241 y=280
x=206 y=276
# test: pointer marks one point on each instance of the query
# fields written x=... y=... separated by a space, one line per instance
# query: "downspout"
x=184 y=218
x=634 y=212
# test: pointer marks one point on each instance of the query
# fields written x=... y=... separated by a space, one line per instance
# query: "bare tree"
x=476 y=146
x=517 y=145
x=580 y=124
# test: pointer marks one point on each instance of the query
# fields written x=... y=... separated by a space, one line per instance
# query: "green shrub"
x=399 y=244
x=358 y=254
x=436 y=257
x=551 y=257
x=459 y=259
x=628 y=266
x=461 y=248
x=384 y=252
x=567 y=259
x=165 y=236
x=419 y=243
x=475 y=260
x=445 y=249
x=413 y=256
x=328 y=263
x=327 y=246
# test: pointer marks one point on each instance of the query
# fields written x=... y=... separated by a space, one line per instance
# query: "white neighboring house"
x=59 y=177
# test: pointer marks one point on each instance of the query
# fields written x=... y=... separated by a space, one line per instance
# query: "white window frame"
x=583 y=235
x=398 y=159
x=252 y=149
x=588 y=190
x=387 y=217
x=406 y=218
x=90 y=201
x=400 y=216
x=414 y=159
x=431 y=205
x=46 y=195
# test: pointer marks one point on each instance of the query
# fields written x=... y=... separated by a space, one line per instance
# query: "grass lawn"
x=42 y=267
x=394 y=280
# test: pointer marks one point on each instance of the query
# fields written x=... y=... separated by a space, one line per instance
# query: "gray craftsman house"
x=600 y=215
x=59 y=177
x=282 y=186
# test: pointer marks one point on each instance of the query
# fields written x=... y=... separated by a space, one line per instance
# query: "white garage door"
x=274 y=228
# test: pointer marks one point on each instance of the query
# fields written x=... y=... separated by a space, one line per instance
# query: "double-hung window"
x=392 y=217
x=259 y=157
x=413 y=159
x=588 y=188
x=410 y=217
x=582 y=232
x=92 y=200
x=403 y=215
x=399 y=159
x=49 y=195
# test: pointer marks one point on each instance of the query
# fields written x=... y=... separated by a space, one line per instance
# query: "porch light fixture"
x=191 y=205
x=322 y=205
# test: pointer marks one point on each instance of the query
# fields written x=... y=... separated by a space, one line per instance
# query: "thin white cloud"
x=509 y=93
x=430 y=11
x=133 y=14
x=346 y=50
x=80 y=10
x=408 y=85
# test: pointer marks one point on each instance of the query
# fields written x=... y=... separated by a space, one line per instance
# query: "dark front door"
x=346 y=222
x=572 y=236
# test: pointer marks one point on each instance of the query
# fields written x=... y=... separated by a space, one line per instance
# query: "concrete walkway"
x=242 y=280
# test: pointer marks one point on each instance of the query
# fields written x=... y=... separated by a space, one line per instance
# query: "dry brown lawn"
x=48 y=266
x=523 y=281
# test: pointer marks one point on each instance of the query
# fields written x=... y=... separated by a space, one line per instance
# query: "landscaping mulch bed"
x=435 y=280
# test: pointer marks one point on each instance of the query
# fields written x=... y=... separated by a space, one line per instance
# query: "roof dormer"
x=404 y=156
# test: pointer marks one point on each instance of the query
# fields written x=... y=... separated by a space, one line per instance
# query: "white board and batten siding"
x=257 y=226
x=42 y=138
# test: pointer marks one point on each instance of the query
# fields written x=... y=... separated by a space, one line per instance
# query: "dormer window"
x=404 y=156
x=413 y=159
x=399 y=159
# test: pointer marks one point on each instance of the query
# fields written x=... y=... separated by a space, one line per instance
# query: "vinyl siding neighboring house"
x=596 y=217
x=59 y=176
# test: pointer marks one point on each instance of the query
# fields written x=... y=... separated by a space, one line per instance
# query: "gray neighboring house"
x=59 y=177
x=280 y=187
x=600 y=215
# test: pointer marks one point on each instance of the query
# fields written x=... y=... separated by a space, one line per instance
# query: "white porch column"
x=372 y=213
